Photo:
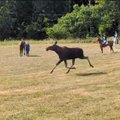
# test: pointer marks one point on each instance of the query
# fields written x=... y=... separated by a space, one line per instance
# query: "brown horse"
x=110 y=44
x=66 y=53
x=22 y=47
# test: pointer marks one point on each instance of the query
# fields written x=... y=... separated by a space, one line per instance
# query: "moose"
x=110 y=44
x=66 y=53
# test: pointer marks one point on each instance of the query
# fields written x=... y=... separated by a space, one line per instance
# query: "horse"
x=110 y=44
x=66 y=53
x=22 y=47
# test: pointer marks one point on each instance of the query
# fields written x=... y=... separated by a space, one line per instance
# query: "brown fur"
x=110 y=44
x=22 y=47
x=66 y=53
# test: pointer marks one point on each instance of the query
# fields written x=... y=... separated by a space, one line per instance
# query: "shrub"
x=84 y=21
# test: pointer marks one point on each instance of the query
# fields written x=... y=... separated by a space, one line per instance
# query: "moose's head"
x=52 y=47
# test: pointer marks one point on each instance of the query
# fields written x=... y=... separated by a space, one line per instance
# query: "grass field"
x=29 y=92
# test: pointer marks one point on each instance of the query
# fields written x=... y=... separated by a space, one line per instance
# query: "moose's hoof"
x=67 y=72
x=73 y=68
x=51 y=72
x=92 y=66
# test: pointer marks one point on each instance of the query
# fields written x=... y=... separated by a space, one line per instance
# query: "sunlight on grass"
x=29 y=92
x=47 y=41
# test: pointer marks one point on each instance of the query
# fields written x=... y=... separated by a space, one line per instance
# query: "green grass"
x=47 y=41
x=29 y=92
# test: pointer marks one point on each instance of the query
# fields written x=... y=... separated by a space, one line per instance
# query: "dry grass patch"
x=29 y=92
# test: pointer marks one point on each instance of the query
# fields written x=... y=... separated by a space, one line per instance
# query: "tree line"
x=39 y=19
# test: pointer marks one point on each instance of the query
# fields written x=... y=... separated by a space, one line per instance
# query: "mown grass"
x=16 y=42
x=29 y=92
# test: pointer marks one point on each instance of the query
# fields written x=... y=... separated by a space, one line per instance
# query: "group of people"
x=24 y=47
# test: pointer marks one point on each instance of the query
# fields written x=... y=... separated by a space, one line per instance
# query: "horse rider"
x=104 y=40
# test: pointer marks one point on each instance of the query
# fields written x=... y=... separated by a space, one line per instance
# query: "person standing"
x=115 y=39
x=27 y=48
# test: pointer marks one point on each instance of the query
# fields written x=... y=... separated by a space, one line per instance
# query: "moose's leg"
x=67 y=66
x=73 y=62
x=56 y=65
x=88 y=61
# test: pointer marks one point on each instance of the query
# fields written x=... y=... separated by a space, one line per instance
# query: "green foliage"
x=75 y=24
x=85 y=21
x=6 y=20
x=34 y=18
x=58 y=32
x=108 y=15
x=24 y=9
x=37 y=28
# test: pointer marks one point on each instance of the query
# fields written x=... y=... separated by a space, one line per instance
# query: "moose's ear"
x=55 y=42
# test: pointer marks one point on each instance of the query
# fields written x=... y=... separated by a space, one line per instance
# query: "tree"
x=31 y=18
x=6 y=19
x=74 y=24
x=109 y=17
x=24 y=11
x=86 y=21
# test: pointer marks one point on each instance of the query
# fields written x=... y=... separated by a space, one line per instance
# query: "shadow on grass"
x=34 y=56
x=91 y=74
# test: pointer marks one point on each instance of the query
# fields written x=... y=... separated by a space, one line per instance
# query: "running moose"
x=66 y=53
